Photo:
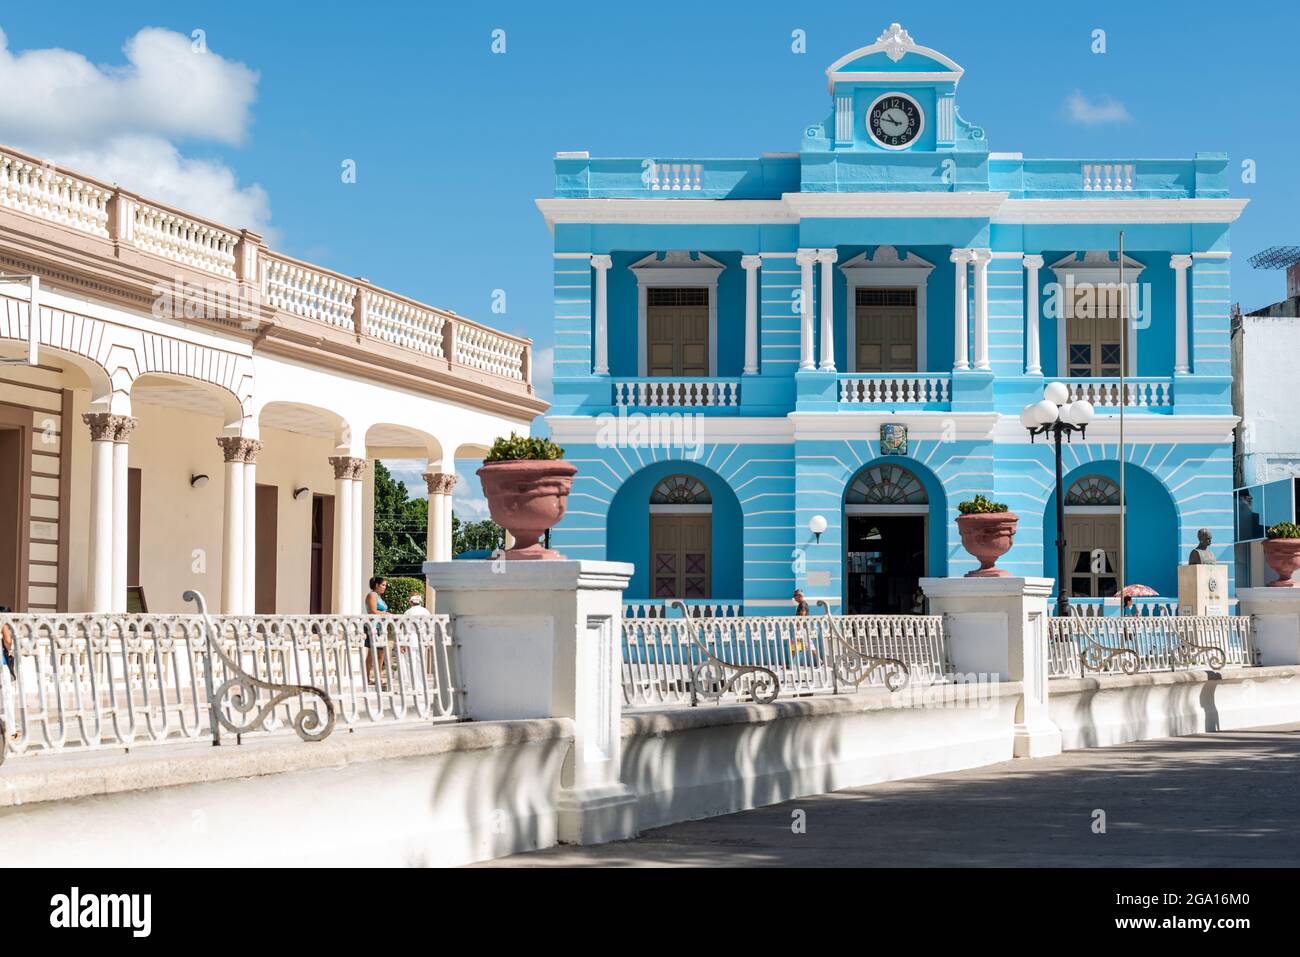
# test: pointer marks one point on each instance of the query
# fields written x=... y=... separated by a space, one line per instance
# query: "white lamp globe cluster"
x=1056 y=405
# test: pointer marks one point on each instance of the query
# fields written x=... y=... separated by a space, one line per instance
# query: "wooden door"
x=886 y=330
x=1092 y=577
x=1092 y=334
x=13 y=544
x=266 y=548
x=681 y=555
x=322 y=555
x=677 y=328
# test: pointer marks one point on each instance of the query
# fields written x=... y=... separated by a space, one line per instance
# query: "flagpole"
x=1123 y=401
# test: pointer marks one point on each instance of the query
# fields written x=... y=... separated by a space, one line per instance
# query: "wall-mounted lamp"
x=198 y=481
x=817 y=525
x=298 y=493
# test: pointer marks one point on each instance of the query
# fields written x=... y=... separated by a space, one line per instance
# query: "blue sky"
x=452 y=142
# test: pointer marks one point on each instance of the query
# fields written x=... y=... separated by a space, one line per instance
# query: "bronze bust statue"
x=1202 y=555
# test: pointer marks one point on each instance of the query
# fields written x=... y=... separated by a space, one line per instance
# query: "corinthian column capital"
x=108 y=426
x=440 y=483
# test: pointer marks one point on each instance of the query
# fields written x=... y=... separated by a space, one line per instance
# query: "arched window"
x=1093 y=490
x=680 y=490
x=886 y=485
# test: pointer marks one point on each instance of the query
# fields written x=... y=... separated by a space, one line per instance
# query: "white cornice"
x=671 y=212
x=888 y=205
x=920 y=76
x=703 y=430
x=962 y=426
x=1139 y=427
x=1117 y=211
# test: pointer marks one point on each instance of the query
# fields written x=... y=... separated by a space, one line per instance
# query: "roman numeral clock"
x=895 y=120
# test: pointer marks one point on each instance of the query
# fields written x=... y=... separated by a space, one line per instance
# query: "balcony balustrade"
x=910 y=389
x=685 y=393
x=1145 y=393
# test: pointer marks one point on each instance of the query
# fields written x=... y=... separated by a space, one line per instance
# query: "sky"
x=451 y=113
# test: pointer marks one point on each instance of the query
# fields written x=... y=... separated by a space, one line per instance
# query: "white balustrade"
x=112 y=681
x=1138 y=393
x=895 y=390
x=1108 y=177
x=487 y=351
x=403 y=323
x=309 y=293
x=50 y=194
x=184 y=240
x=677 y=393
x=675 y=176
x=698 y=609
x=660 y=657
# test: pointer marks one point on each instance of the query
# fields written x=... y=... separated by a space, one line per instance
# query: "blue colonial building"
x=747 y=350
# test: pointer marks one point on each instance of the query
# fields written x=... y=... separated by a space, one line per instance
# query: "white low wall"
x=453 y=794
x=1116 y=709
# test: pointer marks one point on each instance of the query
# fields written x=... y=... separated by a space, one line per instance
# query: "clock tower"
x=894 y=123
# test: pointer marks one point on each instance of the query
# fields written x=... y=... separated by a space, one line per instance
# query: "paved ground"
x=1216 y=800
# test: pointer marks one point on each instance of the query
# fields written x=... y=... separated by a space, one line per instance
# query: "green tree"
x=486 y=535
x=401 y=527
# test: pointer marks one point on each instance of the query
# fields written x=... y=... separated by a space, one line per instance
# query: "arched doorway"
x=1092 y=513
x=886 y=518
x=681 y=538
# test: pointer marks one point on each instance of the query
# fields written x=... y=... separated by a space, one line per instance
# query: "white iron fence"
x=1080 y=646
x=110 y=681
x=674 y=661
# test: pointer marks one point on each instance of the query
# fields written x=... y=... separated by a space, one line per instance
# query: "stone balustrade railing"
x=654 y=393
x=48 y=193
x=183 y=239
x=81 y=203
x=919 y=389
x=1138 y=393
x=302 y=290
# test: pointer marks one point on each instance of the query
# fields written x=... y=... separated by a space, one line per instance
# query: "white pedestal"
x=1275 y=630
x=541 y=640
x=1203 y=590
x=998 y=627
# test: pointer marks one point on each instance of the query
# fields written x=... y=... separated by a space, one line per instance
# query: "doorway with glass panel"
x=677 y=331
x=885 y=323
x=1092 y=513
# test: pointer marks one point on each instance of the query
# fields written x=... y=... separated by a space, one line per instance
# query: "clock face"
x=895 y=121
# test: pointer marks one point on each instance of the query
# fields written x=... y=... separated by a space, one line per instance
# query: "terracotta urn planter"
x=988 y=536
x=1283 y=556
x=526 y=497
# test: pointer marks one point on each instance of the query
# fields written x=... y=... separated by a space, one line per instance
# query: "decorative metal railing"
x=664 y=659
x=1078 y=646
x=919 y=389
x=115 y=681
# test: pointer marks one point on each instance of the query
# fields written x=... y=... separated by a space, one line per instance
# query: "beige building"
x=202 y=411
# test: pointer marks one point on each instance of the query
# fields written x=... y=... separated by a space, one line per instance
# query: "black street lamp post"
x=1057 y=416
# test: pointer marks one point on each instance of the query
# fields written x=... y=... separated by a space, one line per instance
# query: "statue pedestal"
x=1203 y=590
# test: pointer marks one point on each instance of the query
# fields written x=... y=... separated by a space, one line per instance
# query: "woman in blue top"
x=375 y=605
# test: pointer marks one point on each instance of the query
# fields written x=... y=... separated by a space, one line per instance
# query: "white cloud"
x=122 y=123
x=543 y=371
x=1088 y=112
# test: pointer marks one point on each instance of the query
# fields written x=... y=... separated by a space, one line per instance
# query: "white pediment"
x=678 y=259
x=1095 y=262
x=887 y=257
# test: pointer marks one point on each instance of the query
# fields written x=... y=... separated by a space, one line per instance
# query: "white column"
x=1033 y=317
x=602 y=264
x=981 y=258
x=805 y=258
x=997 y=632
x=251 y=448
x=961 y=325
x=437 y=546
x=343 y=586
x=121 y=510
x=232 y=528
x=827 y=258
x=1180 y=265
x=103 y=428
x=358 y=538
x=751 y=266
x=563 y=663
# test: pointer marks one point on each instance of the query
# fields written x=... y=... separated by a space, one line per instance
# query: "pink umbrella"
x=1140 y=591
